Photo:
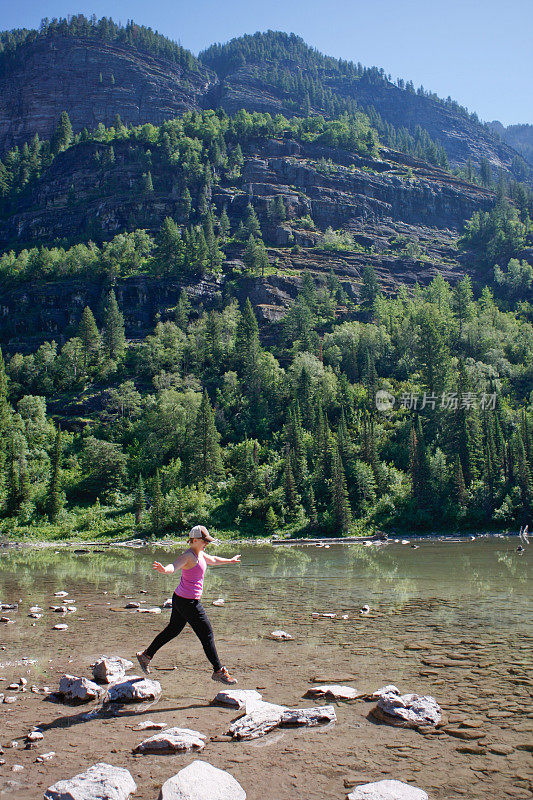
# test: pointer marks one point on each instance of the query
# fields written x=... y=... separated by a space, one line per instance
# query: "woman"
x=186 y=605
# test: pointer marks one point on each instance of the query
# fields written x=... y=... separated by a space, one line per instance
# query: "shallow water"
x=451 y=619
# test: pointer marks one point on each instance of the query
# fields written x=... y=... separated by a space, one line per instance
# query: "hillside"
x=95 y=70
x=520 y=137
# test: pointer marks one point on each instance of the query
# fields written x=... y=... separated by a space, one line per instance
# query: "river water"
x=449 y=619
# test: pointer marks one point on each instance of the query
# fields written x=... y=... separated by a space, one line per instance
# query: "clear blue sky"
x=478 y=51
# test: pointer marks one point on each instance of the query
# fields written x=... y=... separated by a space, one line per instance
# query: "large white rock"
x=259 y=719
x=99 y=782
x=308 y=716
x=281 y=636
x=133 y=690
x=173 y=740
x=237 y=698
x=202 y=781
x=387 y=790
x=333 y=691
x=109 y=669
x=407 y=710
x=389 y=689
x=78 y=690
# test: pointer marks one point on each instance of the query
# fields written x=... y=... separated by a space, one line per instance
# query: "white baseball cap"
x=201 y=532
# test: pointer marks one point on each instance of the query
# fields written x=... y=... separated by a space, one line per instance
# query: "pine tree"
x=224 y=225
x=113 y=338
x=90 y=338
x=139 y=502
x=157 y=504
x=183 y=311
x=11 y=484
x=185 y=205
x=369 y=290
x=342 y=514
x=62 y=135
x=147 y=183
x=54 y=498
x=248 y=349
x=168 y=252
x=522 y=472
x=289 y=485
x=207 y=457
x=419 y=466
x=271 y=521
x=251 y=223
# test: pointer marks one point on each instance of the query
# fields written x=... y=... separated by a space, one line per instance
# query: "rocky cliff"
x=93 y=80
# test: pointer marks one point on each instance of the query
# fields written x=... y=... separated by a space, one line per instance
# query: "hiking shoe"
x=144 y=662
x=224 y=677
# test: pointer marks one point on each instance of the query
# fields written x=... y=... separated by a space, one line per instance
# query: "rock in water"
x=173 y=740
x=109 y=669
x=98 y=782
x=237 y=698
x=407 y=710
x=387 y=790
x=333 y=691
x=134 y=690
x=78 y=690
x=199 y=781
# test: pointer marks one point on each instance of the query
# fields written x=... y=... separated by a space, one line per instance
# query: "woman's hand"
x=159 y=567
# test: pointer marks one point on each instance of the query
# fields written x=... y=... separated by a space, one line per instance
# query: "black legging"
x=188 y=611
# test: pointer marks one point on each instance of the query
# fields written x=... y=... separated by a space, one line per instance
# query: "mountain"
x=95 y=70
x=520 y=137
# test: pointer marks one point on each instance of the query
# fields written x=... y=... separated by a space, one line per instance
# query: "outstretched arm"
x=182 y=562
x=215 y=561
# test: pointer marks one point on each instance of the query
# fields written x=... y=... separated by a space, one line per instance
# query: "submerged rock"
x=237 y=698
x=98 y=782
x=407 y=710
x=109 y=669
x=387 y=790
x=173 y=740
x=334 y=691
x=133 y=690
x=78 y=690
x=199 y=781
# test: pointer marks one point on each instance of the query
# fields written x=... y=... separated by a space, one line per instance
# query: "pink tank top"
x=192 y=580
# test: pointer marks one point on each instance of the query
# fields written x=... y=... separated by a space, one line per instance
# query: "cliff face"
x=59 y=73
x=354 y=192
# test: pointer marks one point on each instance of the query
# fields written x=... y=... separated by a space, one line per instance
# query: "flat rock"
x=100 y=782
x=237 y=698
x=109 y=669
x=133 y=604
x=173 y=740
x=280 y=636
x=133 y=690
x=387 y=790
x=155 y=610
x=199 y=781
x=219 y=602
x=334 y=691
x=407 y=710
x=9 y=606
x=60 y=594
x=259 y=719
x=389 y=689
x=60 y=627
x=308 y=716
x=149 y=725
x=167 y=603
x=78 y=690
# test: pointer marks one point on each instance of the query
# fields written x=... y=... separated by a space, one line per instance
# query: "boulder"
x=78 y=690
x=173 y=740
x=199 y=781
x=387 y=790
x=333 y=691
x=237 y=698
x=133 y=690
x=109 y=669
x=407 y=710
x=98 y=782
